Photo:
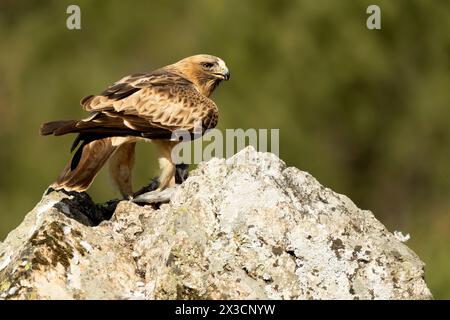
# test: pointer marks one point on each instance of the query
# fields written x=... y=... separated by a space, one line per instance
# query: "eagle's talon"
x=156 y=196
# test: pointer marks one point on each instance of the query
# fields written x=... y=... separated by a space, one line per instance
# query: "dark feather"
x=53 y=126
x=119 y=91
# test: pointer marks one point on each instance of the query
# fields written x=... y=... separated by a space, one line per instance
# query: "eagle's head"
x=204 y=70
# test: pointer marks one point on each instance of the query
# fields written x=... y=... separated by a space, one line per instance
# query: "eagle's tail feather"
x=87 y=161
x=58 y=128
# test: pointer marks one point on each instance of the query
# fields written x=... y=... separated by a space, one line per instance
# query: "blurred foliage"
x=365 y=111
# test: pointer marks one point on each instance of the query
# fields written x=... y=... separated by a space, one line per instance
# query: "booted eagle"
x=146 y=106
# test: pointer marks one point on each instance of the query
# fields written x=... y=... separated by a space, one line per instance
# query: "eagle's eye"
x=207 y=65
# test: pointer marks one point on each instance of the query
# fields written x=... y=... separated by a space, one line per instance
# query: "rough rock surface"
x=242 y=228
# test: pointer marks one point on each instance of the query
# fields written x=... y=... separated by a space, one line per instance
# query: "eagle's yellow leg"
x=120 y=168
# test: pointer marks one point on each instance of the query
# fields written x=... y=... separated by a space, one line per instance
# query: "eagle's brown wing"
x=154 y=105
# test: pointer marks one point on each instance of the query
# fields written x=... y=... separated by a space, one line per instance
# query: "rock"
x=242 y=228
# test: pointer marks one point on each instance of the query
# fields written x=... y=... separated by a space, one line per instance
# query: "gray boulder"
x=243 y=228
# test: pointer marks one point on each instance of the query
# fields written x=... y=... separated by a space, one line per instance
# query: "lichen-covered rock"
x=242 y=228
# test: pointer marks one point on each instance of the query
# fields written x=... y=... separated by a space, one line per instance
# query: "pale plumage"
x=140 y=106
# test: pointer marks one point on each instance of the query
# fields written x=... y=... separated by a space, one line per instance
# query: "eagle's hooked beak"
x=226 y=73
x=223 y=72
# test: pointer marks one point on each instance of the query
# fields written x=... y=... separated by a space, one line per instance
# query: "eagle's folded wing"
x=152 y=104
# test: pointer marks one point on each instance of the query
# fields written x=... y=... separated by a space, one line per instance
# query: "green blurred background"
x=365 y=111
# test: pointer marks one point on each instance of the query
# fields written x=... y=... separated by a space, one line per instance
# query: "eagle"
x=145 y=106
